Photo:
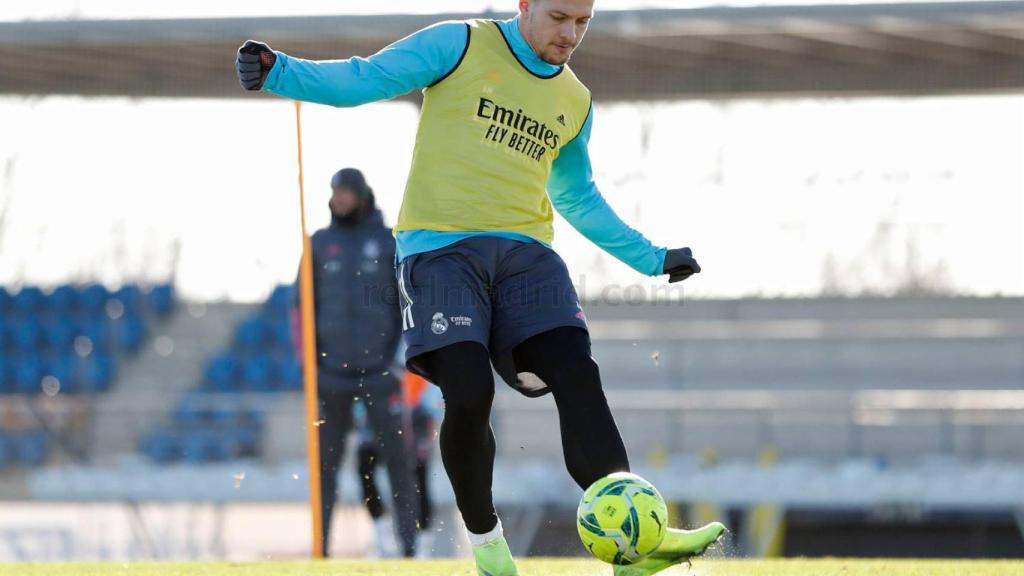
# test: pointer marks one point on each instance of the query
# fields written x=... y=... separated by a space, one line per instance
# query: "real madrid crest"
x=438 y=325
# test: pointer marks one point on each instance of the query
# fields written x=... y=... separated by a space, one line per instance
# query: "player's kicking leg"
x=679 y=546
x=590 y=438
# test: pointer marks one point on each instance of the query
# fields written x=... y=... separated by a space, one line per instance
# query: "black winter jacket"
x=358 y=320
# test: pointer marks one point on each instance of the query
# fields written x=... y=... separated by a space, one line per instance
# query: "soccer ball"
x=621 y=518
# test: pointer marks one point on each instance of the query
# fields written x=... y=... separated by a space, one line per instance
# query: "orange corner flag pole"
x=309 y=357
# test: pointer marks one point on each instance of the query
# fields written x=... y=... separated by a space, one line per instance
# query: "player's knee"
x=469 y=403
x=580 y=372
x=574 y=368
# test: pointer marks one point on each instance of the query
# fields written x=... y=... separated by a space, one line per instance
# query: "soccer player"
x=502 y=138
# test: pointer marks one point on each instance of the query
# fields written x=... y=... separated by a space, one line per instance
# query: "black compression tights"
x=590 y=439
x=561 y=358
x=463 y=371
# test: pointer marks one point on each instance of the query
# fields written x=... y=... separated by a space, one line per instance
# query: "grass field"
x=537 y=567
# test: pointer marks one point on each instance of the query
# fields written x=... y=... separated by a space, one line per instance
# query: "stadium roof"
x=868 y=49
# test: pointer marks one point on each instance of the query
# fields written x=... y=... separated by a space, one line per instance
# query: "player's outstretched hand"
x=254 y=61
x=680 y=264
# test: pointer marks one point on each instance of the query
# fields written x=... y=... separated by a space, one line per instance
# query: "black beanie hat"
x=352 y=179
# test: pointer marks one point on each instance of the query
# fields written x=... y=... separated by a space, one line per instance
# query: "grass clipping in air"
x=530 y=567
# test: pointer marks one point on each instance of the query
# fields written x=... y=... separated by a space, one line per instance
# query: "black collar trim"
x=502 y=32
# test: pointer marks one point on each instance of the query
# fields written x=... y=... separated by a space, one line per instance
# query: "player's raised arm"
x=414 y=62
x=574 y=194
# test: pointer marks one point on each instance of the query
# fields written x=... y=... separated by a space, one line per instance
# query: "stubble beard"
x=556 y=61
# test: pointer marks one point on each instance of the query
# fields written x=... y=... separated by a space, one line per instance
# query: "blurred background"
x=844 y=378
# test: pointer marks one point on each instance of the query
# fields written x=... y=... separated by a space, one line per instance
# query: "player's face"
x=343 y=201
x=554 y=28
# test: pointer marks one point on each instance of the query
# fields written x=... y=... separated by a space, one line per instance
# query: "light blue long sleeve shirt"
x=428 y=56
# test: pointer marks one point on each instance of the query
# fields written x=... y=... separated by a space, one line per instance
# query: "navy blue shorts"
x=485 y=289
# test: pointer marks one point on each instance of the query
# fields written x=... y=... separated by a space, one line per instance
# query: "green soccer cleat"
x=494 y=559
x=677 y=547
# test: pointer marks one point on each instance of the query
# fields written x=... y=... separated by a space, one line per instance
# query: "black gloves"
x=680 y=265
x=254 y=61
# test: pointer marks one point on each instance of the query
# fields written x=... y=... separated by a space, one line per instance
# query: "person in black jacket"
x=358 y=329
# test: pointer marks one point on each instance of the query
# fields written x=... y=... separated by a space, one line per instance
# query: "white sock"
x=387 y=547
x=425 y=544
x=481 y=539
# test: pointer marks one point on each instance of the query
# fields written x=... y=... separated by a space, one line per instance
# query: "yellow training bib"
x=487 y=137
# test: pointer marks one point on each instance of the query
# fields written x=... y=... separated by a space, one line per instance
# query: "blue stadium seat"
x=98 y=373
x=251 y=335
x=220 y=448
x=257 y=374
x=130 y=296
x=5 y=301
x=281 y=334
x=93 y=300
x=28 y=374
x=221 y=374
x=61 y=367
x=241 y=442
x=59 y=334
x=6 y=375
x=161 y=299
x=289 y=373
x=63 y=301
x=97 y=331
x=29 y=301
x=162 y=445
x=130 y=332
x=32 y=447
x=199 y=446
x=224 y=418
x=280 y=299
x=28 y=336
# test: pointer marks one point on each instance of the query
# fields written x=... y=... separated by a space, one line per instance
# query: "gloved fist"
x=254 y=61
x=680 y=264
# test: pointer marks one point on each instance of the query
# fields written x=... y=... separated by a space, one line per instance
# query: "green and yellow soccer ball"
x=621 y=518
